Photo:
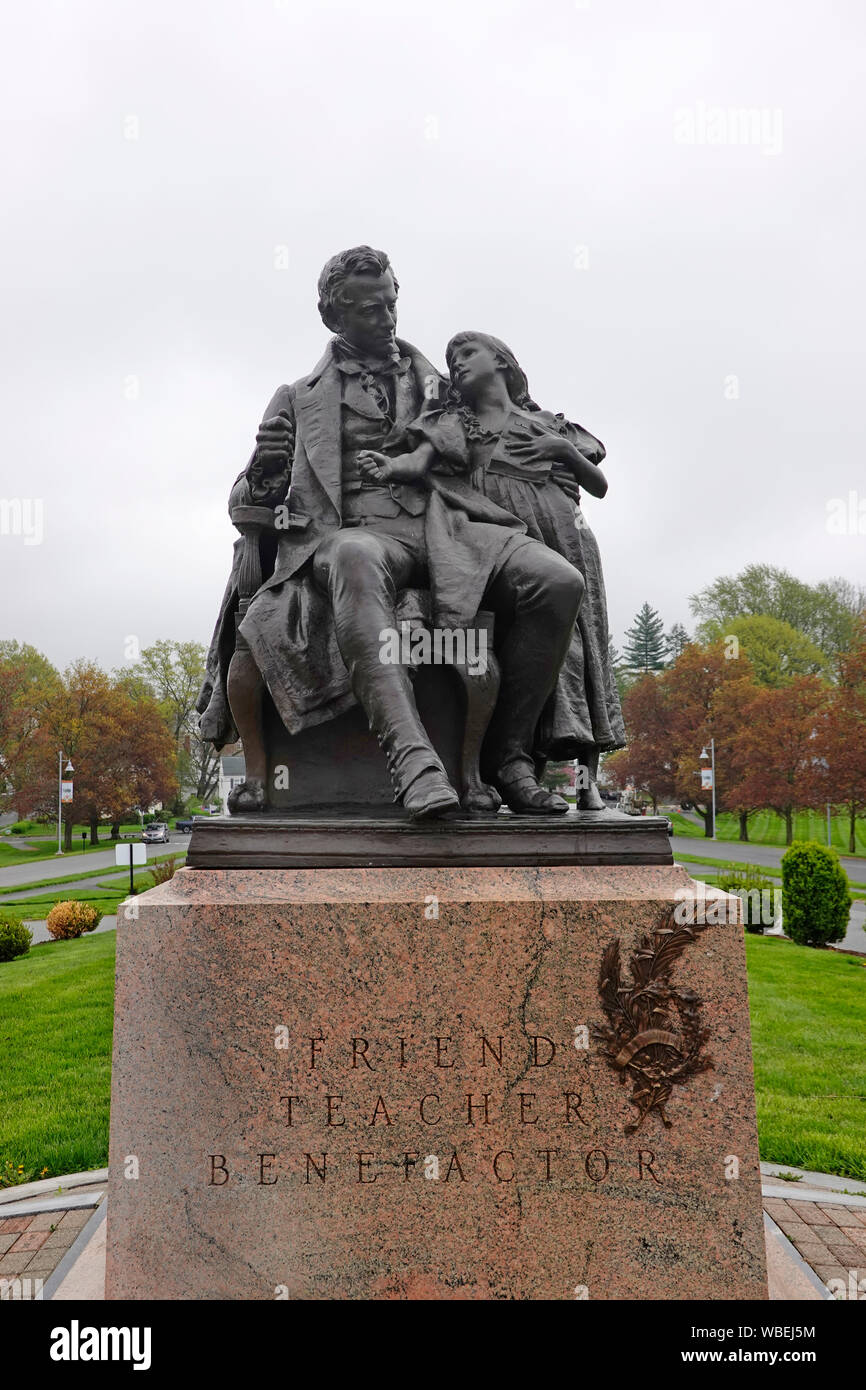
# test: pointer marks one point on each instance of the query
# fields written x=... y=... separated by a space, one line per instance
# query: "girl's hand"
x=563 y=477
x=376 y=467
x=531 y=443
x=404 y=468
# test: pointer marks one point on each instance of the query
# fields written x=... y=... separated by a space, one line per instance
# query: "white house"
x=232 y=773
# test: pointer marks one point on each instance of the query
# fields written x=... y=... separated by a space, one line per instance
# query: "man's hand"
x=275 y=444
x=269 y=471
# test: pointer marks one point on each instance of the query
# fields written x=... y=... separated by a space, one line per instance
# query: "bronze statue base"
x=352 y=837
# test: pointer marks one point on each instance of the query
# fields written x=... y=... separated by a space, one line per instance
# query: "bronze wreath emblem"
x=653 y=1033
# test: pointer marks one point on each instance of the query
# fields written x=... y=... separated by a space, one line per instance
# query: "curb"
x=37 y=1204
x=821 y=1195
x=828 y=1182
x=47 y=1189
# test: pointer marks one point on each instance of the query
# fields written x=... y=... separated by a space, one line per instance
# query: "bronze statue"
x=375 y=477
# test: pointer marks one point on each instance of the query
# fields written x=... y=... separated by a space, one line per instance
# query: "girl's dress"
x=584 y=710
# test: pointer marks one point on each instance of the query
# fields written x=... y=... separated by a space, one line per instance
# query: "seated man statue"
x=312 y=634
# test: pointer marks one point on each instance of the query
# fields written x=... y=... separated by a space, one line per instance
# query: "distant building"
x=232 y=773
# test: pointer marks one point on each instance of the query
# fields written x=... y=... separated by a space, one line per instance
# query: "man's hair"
x=358 y=260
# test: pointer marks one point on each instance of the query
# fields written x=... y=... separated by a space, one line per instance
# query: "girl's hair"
x=515 y=377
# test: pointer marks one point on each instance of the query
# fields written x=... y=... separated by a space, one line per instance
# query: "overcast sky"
x=582 y=179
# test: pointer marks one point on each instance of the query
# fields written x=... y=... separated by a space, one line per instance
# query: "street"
x=61 y=865
x=769 y=855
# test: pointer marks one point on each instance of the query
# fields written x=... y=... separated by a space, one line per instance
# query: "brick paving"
x=831 y=1239
x=32 y=1247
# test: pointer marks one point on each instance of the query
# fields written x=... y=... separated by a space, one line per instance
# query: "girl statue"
x=533 y=464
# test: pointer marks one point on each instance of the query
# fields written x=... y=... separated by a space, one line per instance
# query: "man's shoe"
x=590 y=799
x=525 y=797
x=430 y=795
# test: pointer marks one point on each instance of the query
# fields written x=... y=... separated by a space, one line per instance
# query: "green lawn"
x=56 y=1007
x=768 y=828
x=808 y=1013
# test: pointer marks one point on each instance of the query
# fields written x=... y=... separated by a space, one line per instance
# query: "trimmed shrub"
x=25 y=827
x=755 y=893
x=70 y=919
x=815 y=896
x=15 y=938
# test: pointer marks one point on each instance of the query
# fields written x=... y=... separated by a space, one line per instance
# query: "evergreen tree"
x=675 y=641
x=644 y=648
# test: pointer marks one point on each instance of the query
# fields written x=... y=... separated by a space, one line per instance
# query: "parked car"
x=184 y=825
x=156 y=833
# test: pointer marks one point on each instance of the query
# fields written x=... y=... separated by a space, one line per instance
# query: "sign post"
x=132 y=853
x=64 y=796
x=708 y=777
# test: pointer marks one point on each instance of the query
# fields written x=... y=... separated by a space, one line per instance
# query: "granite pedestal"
x=379 y=1083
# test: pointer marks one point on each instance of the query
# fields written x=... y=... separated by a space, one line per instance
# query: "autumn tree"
x=699 y=712
x=844 y=735
x=670 y=717
x=25 y=676
x=121 y=750
x=729 y=704
x=172 y=672
x=647 y=763
x=781 y=750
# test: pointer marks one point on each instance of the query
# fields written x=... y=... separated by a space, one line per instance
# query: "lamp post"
x=712 y=771
x=69 y=768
